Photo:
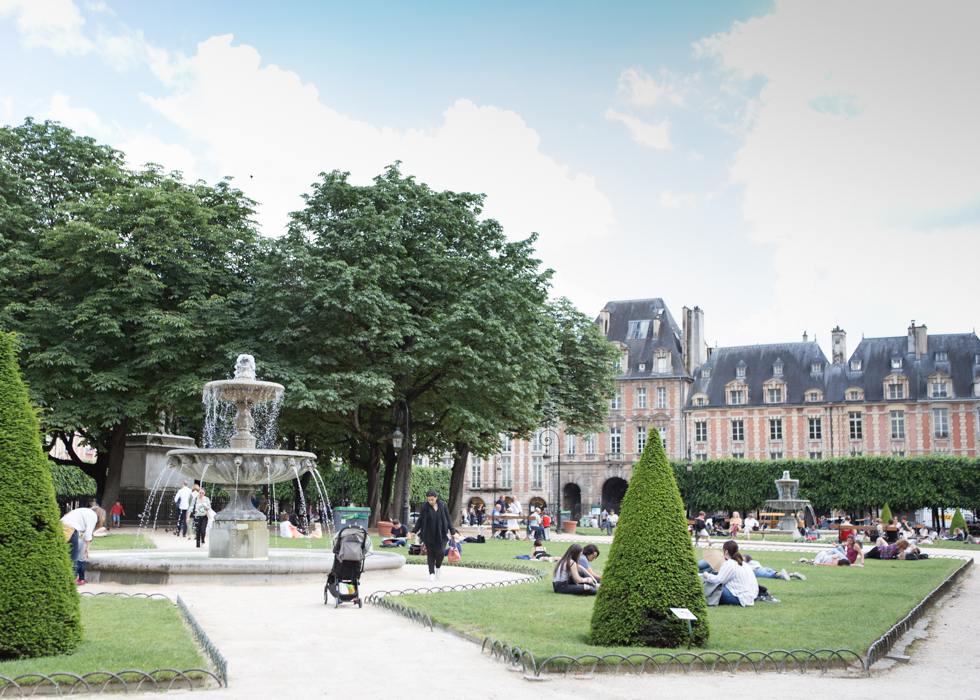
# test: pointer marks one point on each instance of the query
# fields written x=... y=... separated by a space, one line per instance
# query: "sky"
x=786 y=166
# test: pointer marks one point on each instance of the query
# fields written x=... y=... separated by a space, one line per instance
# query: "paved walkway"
x=281 y=640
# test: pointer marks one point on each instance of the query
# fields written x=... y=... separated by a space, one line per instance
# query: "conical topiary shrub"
x=958 y=522
x=651 y=565
x=886 y=514
x=39 y=614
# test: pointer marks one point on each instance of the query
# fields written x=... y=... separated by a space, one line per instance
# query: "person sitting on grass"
x=398 y=536
x=889 y=551
x=852 y=550
x=739 y=586
x=540 y=553
x=589 y=554
x=568 y=579
x=750 y=524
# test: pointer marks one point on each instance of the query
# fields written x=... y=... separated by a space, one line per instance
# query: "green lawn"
x=121 y=633
x=836 y=607
x=122 y=541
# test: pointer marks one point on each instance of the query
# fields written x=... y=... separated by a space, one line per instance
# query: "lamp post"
x=342 y=468
x=690 y=484
x=547 y=440
x=396 y=439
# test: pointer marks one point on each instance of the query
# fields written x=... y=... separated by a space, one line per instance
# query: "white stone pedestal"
x=239 y=539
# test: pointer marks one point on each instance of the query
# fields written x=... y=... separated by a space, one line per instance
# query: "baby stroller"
x=351 y=547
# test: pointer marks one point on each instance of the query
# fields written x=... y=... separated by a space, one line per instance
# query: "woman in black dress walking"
x=432 y=527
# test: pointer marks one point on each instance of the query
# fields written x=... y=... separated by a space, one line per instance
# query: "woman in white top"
x=736 y=577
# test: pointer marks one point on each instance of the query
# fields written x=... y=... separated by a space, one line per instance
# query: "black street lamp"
x=548 y=440
x=690 y=484
x=396 y=439
x=342 y=468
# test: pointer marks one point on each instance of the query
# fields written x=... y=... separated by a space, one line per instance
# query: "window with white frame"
x=615 y=440
x=942 y=357
x=777 y=369
x=447 y=461
x=662 y=365
x=699 y=401
x=476 y=472
x=816 y=455
x=661 y=397
x=537 y=443
x=736 y=396
x=898 y=453
x=641 y=398
x=898 y=425
x=537 y=472
x=701 y=431
x=774 y=394
x=701 y=457
x=813 y=396
x=896 y=391
x=643 y=367
x=738 y=431
x=896 y=363
x=662 y=429
x=637 y=330
x=641 y=438
x=939 y=390
x=418 y=460
x=506 y=472
x=816 y=367
x=616 y=402
x=775 y=428
x=588 y=443
x=706 y=373
x=816 y=428
x=506 y=443
x=570 y=442
x=854 y=395
x=740 y=371
x=855 y=365
x=775 y=455
x=857 y=428
x=738 y=455
x=940 y=422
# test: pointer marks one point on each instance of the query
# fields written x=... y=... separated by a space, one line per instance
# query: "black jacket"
x=433 y=524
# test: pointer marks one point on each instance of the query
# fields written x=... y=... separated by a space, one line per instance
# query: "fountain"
x=238 y=544
x=789 y=505
x=241 y=531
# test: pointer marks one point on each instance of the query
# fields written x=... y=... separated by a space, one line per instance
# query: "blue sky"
x=787 y=166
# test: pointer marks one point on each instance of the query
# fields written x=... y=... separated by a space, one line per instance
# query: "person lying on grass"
x=831 y=557
x=568 y=578
x=889 y=551
x=540 y=553
x=739 y=586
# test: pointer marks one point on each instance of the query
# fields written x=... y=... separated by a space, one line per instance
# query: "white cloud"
x=51 y=24
x=650 y=135
x=865 y=129
x=79 y=119
x=263 y=126
x=676 y=201
x=639 y=88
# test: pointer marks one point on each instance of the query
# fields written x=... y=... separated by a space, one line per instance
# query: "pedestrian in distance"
x=183 y=500
x=117 y=513
x=433 y=528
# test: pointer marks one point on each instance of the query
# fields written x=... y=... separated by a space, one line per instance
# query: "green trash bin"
x=345 y=515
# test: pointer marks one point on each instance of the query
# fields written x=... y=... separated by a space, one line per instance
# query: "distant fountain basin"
x=790 y=505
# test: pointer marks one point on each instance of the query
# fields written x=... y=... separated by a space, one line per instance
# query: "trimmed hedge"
x=69 y=480
x=651 y=566
x=886 y=514
x=849 y=483
x=958 y=522
x=39 y=611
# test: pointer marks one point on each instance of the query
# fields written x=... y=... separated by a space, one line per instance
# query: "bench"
x=866 y=529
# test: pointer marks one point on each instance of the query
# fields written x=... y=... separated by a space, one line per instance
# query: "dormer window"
x=774 y=395
x=813 y=396
x=777 y=368
x=816 y=367
x=937 y=390
x=706 y=373
x=736 y=397
x=896 y=363
x=643 y=367
x=896 y=391
x=661 y=365
x=740 y=371
x=942 y=357
x=855 y=365
x=853 y=395
x=638 y=330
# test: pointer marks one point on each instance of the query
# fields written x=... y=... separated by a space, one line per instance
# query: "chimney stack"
x=918 y=340
x=604 y=321
x=838 y=345
x=804 y=336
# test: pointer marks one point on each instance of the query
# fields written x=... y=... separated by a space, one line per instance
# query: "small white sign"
x=684 y=614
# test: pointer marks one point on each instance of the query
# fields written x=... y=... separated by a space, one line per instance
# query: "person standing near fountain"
x=183 y=499
x=432 y=527
x=199 y=508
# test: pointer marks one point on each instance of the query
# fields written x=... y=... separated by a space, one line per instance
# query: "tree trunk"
x=388 y=481
x=404 y=471
x=374 y=482
x=117 y=450
x=458 y=481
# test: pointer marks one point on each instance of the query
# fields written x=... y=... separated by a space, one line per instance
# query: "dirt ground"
x=282 y=641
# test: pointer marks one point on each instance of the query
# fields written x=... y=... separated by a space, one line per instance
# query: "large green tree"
x=39 y=614
x=123 y=286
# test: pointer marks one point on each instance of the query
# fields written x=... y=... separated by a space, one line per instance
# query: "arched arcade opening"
x=613 y=491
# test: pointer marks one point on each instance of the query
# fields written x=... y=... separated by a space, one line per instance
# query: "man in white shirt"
x=611 y=521
x=749 y=525
x=83 y=523
x=183 y=501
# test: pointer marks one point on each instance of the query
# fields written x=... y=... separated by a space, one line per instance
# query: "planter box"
x=384 y=528
x=569 y=526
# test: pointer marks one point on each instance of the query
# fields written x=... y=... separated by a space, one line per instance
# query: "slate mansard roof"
x=796 y=359
x=875 y=356
x=641 y=350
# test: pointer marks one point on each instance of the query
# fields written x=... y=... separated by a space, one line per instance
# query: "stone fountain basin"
x=241 y=467
x=245 y=390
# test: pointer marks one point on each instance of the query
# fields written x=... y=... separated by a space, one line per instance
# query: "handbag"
x=416 y=549
x=454 y=555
